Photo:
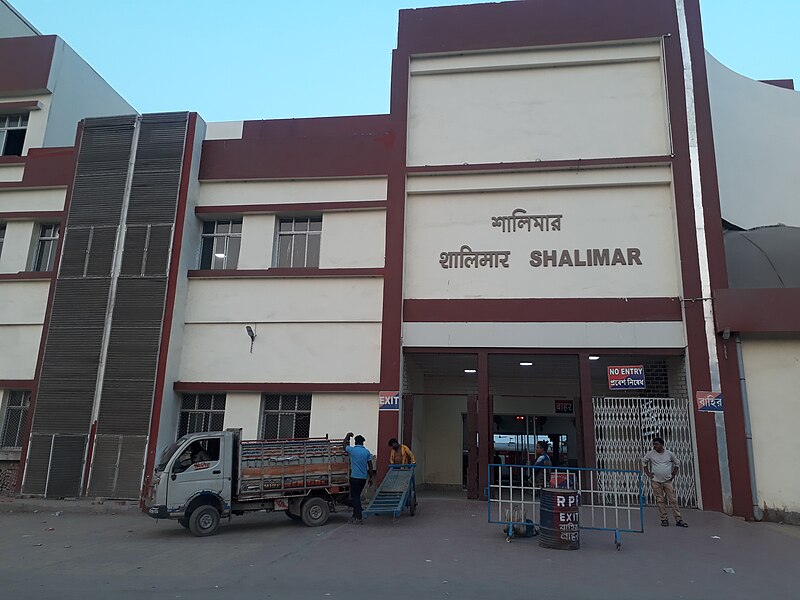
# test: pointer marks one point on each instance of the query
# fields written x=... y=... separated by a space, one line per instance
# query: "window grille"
x=298 y=242
x=201 y=412
x=15 y=418
x=286 y=416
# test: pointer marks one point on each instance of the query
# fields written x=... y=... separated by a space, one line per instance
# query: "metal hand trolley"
x=396 y=492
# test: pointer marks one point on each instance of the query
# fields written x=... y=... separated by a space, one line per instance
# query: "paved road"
x=446 y=551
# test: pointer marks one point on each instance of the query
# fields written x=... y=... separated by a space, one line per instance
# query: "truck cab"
x=192 y=481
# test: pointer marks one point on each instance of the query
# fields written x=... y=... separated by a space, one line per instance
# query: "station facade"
x=530 y=245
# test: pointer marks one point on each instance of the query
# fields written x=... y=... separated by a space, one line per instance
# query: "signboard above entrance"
x=629 y=377
x=389 y=400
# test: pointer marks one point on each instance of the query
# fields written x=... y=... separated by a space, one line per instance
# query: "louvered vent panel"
x=66 y=466
x=68 y=381
x=158 y=250
x=73 y=259
x=105 y=456
x=131 y=466
x=101 y=255
x=132 y=258
x=38 y=461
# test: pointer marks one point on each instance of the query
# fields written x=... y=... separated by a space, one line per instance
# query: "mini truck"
x=206 y=476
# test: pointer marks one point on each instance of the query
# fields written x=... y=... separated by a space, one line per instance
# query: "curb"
x=96 y=506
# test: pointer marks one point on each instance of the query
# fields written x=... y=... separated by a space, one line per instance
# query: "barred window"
x=286 y=416
x=15 y=418
x=12 y=134
x=220 y=244
x=46 y=246
x=201 y=412
x=298 y=242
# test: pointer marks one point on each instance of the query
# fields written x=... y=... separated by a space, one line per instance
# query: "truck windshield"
x=168 y=452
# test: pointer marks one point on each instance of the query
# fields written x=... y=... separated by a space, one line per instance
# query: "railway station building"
x=573 y=224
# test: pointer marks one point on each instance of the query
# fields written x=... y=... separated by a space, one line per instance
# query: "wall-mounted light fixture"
x=252 y=334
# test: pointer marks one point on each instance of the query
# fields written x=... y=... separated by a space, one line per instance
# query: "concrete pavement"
x=446 y=551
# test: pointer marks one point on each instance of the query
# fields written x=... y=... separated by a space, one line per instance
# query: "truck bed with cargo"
x=206 y=476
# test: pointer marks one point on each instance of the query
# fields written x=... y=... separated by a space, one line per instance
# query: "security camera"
x=250 y=332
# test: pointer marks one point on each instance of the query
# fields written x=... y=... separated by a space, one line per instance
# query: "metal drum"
x=559 y=516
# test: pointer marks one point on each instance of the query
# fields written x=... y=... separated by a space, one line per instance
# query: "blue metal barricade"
x=610 y=499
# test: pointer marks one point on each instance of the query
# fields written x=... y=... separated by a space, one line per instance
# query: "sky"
x=271 y=59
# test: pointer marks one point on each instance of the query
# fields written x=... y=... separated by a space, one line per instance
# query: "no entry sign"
x=628 y=377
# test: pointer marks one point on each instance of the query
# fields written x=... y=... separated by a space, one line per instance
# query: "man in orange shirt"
x=401 y=454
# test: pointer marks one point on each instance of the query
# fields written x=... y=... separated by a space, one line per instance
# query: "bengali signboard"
x=564 y=407
x=709 y=401
x=627 y=377
x=389 y=400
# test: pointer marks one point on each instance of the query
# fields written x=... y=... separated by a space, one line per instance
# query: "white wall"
x=243 y=410
x=442 y=444
x=772 y=371
x=258 y=235
x=756 y=133
x=224 y=130
x=283 y=352
x=17 y=244
x=32 y=200
x=292 y=192
x=13 y=24
x=651 y=334
x=38 y=122
x=335 y=414
x=309 y=300
x=168 y=424
x=353 y=239
x=11 y=172
x=78 y=92
x=595 y=215
x=19 y=348
x=541 y=104
x=23 y=302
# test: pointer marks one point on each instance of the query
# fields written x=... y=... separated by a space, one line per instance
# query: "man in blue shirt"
x=360 y=473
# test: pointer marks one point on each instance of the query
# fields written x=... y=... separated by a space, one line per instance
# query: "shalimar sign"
x=521 y=222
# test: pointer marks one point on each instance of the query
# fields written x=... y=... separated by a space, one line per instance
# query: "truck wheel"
x=315 y=512
x=184 y=523
x=293 y=517
x=204 y=521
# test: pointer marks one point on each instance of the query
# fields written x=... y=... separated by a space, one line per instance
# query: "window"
x=2 y=236
x=298 y=242
x=286 y=416
x=46 y=247
x=12 y=134
x=201 y=412
x=15 y=419
x=221 y=241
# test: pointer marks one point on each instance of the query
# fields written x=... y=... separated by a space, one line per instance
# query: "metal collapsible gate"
x=624 y=431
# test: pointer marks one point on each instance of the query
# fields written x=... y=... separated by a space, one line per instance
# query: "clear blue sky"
x=266 y=59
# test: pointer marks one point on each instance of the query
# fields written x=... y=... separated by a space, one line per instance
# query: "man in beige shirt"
x=661 y=466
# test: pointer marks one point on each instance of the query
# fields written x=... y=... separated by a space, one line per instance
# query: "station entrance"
x=464 y=411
